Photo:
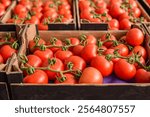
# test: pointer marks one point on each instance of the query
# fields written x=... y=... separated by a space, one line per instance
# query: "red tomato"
x=73 y=41
x=1 y=59
x=124 y=70
x=44 y=55
x=77 y=50
x=78 y=62
x=6 y=3
x=142 y=76
x=42 y=26
x=122 y=49
x=27 y=3
x=55 y=64
x=108 y=36
x=111 y=52
x=140 y=51
x=50 y=14
x=20 y=9
x=125 y=24
x=39 y=77
x=2 y=9
x=113 y=24
x=103 y=65
x=54 y=41
x=6 y=51
x=89 y=52
x=135 y=37
x=125 y=15
x=136 y=12
x=88 y=39
x=33 y=20
x=63 y=55
x=32 y=43
x=91 y=75
x=84 y=4
x=69 y=79
x=142 y=61
x=86 y=14
x=34 y=61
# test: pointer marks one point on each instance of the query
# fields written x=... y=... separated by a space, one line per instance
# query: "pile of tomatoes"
x=86 y=59
x=119 y=14
x=4 y=4
x=42 y=13
x=8 y=46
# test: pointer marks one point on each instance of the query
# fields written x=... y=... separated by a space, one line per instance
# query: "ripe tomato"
x=84 y=4
x=122 y=49
x=70 y=79
x=136 y=12
x=63 y=55
x=113 y=24
x=27 y=3
x=88 y=39
x=103 y=65
x=111 y=52
x=42 y=26
x=1 y=59
x=142 y=61
x=6 y=51
x=142 y=76
x=6 y=3
x=44 y=55
x=125 y=15
x=124 y=70
x=78 y=63
x=2 y=9
x=91 y=75
x=55 y=64
x=33 y=20
x=32 y=43
x=86 y=14
x=125 y=24
x=73 y=41
x=77 y=50
x=89 y=52
x=54 y=41
x=20 y=9
x=34 y=61
x=108 y=36
x=140 y=51
x=52 y=14
x=135 y=37
x=39 y=77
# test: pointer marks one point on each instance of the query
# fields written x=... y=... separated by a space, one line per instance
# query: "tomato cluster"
x=3 y=6
x=41 y=13
x=8 y=46
x=86 y=59
x=119 y=14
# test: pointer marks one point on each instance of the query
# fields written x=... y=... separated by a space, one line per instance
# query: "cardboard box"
x=64 y=92
x=51 y=26
x=102 y=26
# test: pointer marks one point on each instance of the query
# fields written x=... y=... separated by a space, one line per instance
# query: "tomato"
x=69 y=79
x=54 y=41
x=89 y=52
x=32 y=43
x=42 y=26
x=86 y=14
x=65 y=13
x=124 y=70
x=1 y=59
x=142 y=76
x=88 y=39
x=19 y=9
x=39 y=77
x=54 y=64
x=22 y=15
x=2 y=9
x=27 y=3
x=84 y=4
x=77 y=50
x=108 y=36
x=122 y=49
x=125 y=24
x=111 y=52
x=52 y=14
x=133 y=3
x=36 y=9
x=44 y=54
x=37 y=14
x=6 y=51
x=64 y=6
x=63 y=54
x=103 y=65
x=142 y=61
x=78 y=63
x=6 y=3
x=73 y=41
x=140 y=51
x=91 y=75
x=125 y=15
x=148 y=1
x=33 y=20
x=34 y=61
x=115 y=10
x=37 y=3
x=113 y=24
x=106 y=18
x=136 y=12
x=135 y=37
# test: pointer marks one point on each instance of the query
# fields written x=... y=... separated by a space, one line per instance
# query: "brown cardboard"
x=102 y=26
x=78 y=91
x=51 y=26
